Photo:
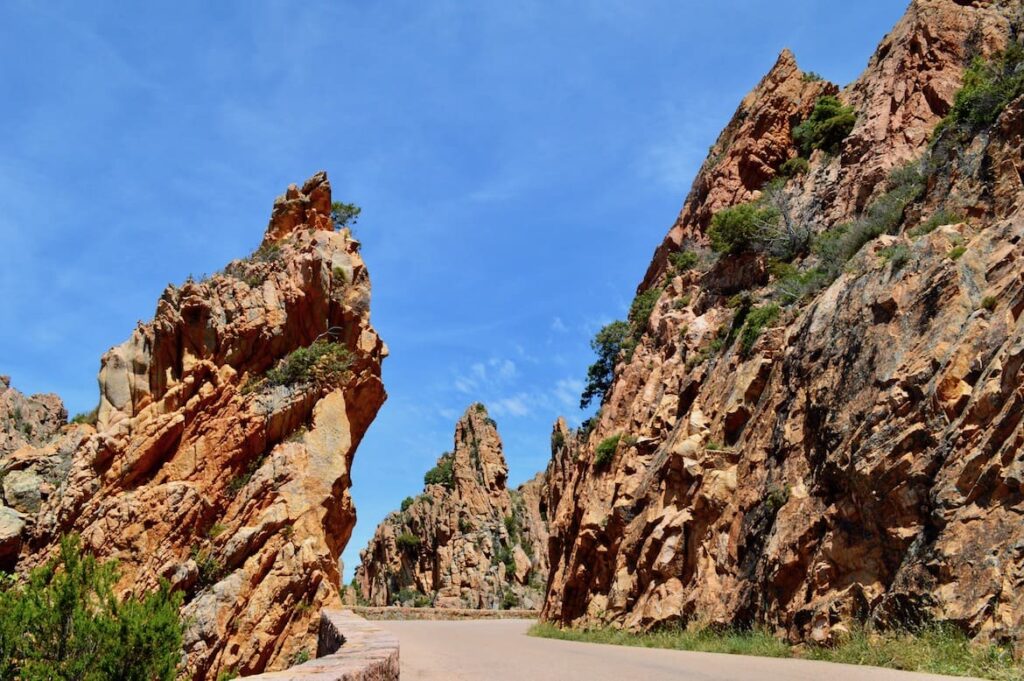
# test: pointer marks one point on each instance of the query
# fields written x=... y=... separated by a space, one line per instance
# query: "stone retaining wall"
x=399 y=613
x=349 y=649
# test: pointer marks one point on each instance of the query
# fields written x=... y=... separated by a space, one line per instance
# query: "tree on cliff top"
x=66 y=623
x=608 y=343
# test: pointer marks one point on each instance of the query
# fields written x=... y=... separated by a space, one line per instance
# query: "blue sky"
x=517 y=163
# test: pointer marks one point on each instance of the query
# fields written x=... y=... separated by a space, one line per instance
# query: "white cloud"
x=515 y=405
x=558 y=325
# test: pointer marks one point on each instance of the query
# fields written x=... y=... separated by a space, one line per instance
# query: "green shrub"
x=89 y=418
x=322 y=362
x=957 y=252
x=509 y=601
x=443 y=473
x=989 y=303
x=640 y=310
x=883 y=216
x=811 y=77
x=65 y=622
x=739 y=228
x=406 y=503
x=897 y=255
x=792 y=285
x=794 y=166
x=940 y=218
x=777 y=497
x=344 y=214
x=756 y=322
x=988 y=86
x=211 y=569
x=683 y=261
x=338 y=274
x=513 y=527
x=828 y=125
x=557 y=440
x=216 y=530
x=609 y=342
x=605 y=451
x=301 y=657
x=714 y=446
x=407 y=542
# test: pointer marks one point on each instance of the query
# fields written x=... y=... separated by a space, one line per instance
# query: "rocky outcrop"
x=225 y=436
x=859 y=454
x=36 y=445
x=467 y=541
x=27 y=421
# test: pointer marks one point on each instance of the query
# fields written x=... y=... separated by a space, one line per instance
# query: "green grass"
x=759 y=643
x=935 y=649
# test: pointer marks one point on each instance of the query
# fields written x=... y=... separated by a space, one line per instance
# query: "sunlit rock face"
x=861 y=458
x=226 y=431
x=467 y=541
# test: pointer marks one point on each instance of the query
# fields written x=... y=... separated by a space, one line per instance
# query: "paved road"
x=500 y=650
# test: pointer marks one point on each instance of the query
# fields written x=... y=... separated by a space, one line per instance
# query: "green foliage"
x=407 y=595
x=89 y=418
x=323 y=362
x=683 y=261
x=811 y=77
x=957 y=252
x=268 y=252
x=640 y=310
x=988 y=87
x=777 y=497
x=732 y=641
x=509 y=600
x=301 y=657
x=605 y=451
x=215 y=530
x=940 y=218
x=338 y=275
x=465 y=527
x=513 y=526
x=897 y=255
x=756 y=321
x=989 y=303
x=344 y=214
x=883 y=216
x=557 y=440
x=794 y=166
x=792 y=285
x=406 y=503
x=443 y=473
x=407 y=542
x=503 y=556
x=935 y=649
x=828 y=125
x=714 y=446
x=609 y=342
x=227 y=674
x=738 y=229
x=211 y=569
x=65 y=623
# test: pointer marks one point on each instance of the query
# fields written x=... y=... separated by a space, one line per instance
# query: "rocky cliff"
x=802 y=439
x=467 y=541
x=224 y=439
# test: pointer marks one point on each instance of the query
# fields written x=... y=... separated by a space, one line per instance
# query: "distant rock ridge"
x=467 y=541
x=223 y=443
x=803 y=456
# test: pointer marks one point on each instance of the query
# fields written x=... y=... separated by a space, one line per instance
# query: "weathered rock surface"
x=863 y=458
x=467 y=541
x=36 y=445
x=27 y=421
x=205 y=470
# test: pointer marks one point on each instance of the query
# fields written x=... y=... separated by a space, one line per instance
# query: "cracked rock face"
x=862 y=458
x=208 y=471
x=467 y=541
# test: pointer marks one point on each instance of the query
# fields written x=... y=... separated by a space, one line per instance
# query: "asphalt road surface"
x=500 y=650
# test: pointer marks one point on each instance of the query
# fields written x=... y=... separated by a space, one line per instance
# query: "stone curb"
x=349 y=649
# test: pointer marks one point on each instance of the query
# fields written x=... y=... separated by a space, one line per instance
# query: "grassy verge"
x=937 y=650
